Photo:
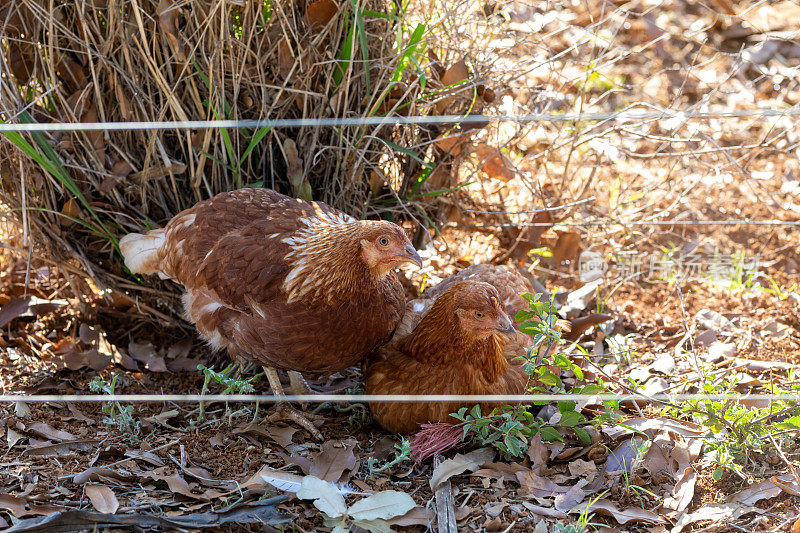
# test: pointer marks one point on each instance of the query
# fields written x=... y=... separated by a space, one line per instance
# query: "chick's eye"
x=383 y=241
x=479 y=314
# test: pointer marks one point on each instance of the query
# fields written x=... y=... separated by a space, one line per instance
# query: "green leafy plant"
x=230 y=385
x=738 y=430
x=510 y=429
x=402 y=453
x=236 y=163
x=117 y=415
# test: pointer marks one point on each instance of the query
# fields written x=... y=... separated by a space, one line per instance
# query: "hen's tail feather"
x=141 y=251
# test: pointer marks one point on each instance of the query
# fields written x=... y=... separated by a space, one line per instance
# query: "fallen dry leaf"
x=286 y=58
x=60 y=448
x=579 y=468
x=623 y=516
x=285 y=481
x=169 y=23
x=24 y=306
x=455 y=73
x=418 y=516
x=281 y=435
x=544 y=511
x=459 y=464
x=538 y=486
x=567 y=501
x=146 y=354
x=494 y=162
x=567 y=247
x=102 y=498
x=713 y=512
x=334 y=458
x=683 y=491
x=651 y=426
x=44 y=430
x=321 y=12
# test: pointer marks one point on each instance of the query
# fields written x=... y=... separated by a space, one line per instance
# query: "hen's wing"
x=415 y=311
x=240 y=221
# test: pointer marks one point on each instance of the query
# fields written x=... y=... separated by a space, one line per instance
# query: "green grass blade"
x=362 y=39
x=49 y=160
x=344 y=56
x=254 y=142
x=413 y=42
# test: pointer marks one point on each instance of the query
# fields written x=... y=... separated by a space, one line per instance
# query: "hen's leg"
x=284 y=410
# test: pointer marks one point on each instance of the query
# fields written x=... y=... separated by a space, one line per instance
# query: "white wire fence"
x=624 y=116
x=401 y=398
x=620 y=117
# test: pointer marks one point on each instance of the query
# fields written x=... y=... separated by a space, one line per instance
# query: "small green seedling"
x=117 y=415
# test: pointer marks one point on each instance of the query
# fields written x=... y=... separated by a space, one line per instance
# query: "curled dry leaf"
x=623 y=516
x=494 y=162
x=102 y=498
x=70 y=210
x=321 y=12
x=460 y=464
x=169 y=23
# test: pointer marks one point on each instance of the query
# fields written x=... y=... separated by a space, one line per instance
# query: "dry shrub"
x=164 y=60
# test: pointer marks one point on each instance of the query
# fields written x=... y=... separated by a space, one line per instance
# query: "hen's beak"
x=505 y=325
x=412 y=255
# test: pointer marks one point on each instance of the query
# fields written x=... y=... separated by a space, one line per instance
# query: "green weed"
x=117 y=415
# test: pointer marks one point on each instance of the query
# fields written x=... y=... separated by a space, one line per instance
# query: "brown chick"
x=459 y=343
x=281 y=282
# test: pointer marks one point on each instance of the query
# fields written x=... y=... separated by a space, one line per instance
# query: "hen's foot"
x=284 y=411
x=304 y=420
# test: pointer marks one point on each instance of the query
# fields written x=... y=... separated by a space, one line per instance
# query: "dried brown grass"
x=149 y=60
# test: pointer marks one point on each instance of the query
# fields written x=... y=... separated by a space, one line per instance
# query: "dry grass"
x=84 y=61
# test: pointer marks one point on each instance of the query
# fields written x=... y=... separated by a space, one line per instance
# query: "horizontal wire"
x=352 y=398
x=741 y=222
x=619 y=116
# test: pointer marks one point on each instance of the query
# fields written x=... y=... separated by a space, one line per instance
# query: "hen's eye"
x=383 y=241
x=479 y=314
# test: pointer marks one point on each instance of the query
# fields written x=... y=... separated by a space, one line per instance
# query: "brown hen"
x=510 y=283
x=461 y=342
x=280 y=282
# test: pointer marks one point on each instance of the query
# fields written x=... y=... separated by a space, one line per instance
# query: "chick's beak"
x=505 y=324
x=412 y=255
